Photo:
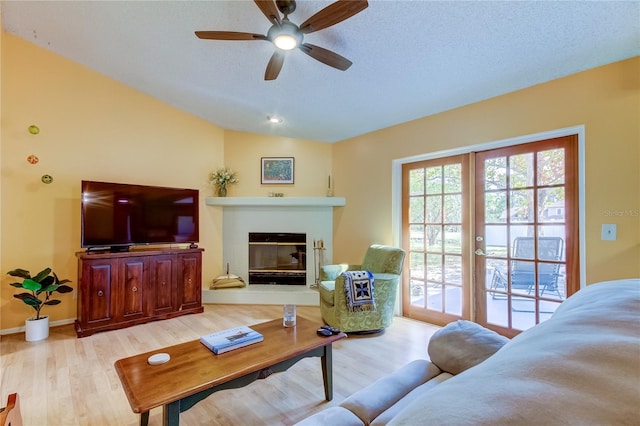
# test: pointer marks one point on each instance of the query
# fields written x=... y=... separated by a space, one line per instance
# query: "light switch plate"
x=609 y=232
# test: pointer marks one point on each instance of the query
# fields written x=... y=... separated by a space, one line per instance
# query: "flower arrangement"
x=222 y=178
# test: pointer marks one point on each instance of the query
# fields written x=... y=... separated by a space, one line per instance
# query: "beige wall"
x=95 y=128
x=606 y=100
x=312 y=164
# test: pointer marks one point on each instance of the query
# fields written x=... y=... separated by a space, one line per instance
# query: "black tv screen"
x=121 y=215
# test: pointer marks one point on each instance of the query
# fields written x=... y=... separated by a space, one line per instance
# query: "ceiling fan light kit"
x=285 y=35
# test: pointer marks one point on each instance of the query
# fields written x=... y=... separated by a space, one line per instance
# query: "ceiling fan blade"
x=332 y=14
x=268 y=7
x=274 y=66
x=326 y=56
x=228 y=35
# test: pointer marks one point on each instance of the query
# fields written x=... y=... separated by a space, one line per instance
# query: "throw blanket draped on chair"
x=358 y=287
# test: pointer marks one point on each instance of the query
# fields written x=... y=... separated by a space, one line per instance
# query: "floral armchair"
x=385 y=264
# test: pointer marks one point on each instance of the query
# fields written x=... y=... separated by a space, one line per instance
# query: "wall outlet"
x=609 y=232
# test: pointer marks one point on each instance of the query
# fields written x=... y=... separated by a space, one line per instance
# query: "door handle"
x=479 y=252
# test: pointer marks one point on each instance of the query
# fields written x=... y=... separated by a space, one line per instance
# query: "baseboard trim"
x=51 y=324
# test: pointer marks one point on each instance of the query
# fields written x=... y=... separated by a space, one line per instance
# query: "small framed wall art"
x=276 y=170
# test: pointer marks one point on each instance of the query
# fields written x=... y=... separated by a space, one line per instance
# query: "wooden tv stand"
x=118 y=290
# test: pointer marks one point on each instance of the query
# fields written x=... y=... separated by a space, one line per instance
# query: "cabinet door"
x=163 y=296
x=133 y=274
x=189 y=280
x=97 y=283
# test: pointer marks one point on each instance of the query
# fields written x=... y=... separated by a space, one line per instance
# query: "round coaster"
x=156 y=359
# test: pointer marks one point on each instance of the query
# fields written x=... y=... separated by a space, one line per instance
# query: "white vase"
x=36 y=329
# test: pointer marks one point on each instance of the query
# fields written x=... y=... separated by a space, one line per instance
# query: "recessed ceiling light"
x=273 y=119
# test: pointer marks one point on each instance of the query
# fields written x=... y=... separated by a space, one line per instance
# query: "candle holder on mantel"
x=318 y=257
x=329 y=188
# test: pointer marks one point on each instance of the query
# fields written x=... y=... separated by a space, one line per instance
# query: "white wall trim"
x=15 y=330
x=396 y=180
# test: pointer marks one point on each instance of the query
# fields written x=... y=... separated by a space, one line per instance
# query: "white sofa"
x=580 y=367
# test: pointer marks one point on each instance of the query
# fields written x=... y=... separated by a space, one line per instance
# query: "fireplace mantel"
x=276 y=201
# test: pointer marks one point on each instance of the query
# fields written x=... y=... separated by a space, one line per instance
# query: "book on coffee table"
x=232 y=338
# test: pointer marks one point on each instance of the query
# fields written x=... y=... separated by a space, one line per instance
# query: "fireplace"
x=277 y=258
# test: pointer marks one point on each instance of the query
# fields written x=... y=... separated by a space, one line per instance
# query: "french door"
x=510 y=244
x=435 y=215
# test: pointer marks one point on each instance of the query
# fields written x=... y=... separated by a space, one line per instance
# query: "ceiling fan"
x=286 y=35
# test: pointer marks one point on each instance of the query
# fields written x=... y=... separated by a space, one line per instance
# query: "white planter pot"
x=36 y=329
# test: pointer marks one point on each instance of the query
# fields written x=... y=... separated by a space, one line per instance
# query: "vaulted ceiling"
x=410 y=58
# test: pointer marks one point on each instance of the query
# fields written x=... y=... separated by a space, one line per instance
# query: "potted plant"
x=40 y=289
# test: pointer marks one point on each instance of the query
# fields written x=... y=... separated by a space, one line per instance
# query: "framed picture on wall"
x=276 y=170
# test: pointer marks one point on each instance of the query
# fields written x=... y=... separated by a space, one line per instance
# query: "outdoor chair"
x=523 y=274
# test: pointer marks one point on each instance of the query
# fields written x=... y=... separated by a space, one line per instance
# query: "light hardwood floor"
x=69 y=381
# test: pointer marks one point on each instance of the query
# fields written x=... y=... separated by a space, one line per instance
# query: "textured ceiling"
x=410 y=58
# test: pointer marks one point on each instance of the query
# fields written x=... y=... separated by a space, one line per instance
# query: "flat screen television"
x=118 y=215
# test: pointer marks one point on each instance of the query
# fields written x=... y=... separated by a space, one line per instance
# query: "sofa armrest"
x=331 y=272
x=461 y=345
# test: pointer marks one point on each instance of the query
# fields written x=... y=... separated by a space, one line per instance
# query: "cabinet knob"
x=134 y=289
x=100 y=293
x=189 y=280
x=164 y=283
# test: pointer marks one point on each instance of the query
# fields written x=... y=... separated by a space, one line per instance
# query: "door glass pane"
x=521 y=205
x=416 y=209
x=558 y=231
x=453 y=297
x=497 y=278
x=452 y=178
x=453 y=268
x=417 y=292
x=416 y=182
x=434 y=267
x=453 y=238
x=551 y=204
x=495 y=207
x=416 y=238
x=520 y=231
x=521 y=170
x=434 y=209
x=434 y=296
x=551 y=167
x=416 y=265
x=434 y=180
x=495 y=173
x=453 y=208
x=523 y=312
x=496 y=240
x=434 y=238
x=497 y=312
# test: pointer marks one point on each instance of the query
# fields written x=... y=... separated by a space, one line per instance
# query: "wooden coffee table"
x=194 y=372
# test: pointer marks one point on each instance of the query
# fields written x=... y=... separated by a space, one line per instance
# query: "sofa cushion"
x=369 y=402
x=461 y=345
x=418 y=392
x=326 y=289
x=332 y=416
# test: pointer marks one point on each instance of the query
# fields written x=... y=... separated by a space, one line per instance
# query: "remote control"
x=333 y=330
x=324 y=332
